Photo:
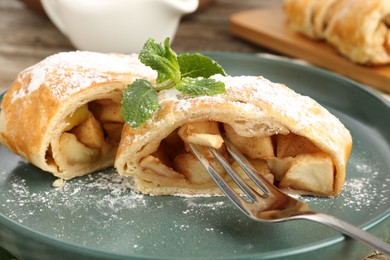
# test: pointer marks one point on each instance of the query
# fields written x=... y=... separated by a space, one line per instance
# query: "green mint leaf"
x=200 y=86
x=139 y=102
x=189 y=73
x=163 y=59
x=197 y=65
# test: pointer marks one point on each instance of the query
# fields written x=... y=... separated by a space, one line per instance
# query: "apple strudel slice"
x=289 y=138
x=64 y=114
x=358 y=29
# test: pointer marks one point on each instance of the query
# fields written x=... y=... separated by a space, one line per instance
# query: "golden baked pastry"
x=290 y=138
x=299 y=14
x=358 y=29
x=64 y=115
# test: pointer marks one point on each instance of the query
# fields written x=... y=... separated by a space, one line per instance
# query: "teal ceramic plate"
x=99 y=216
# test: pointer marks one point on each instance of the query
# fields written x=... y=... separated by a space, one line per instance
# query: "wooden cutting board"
x=268 y=28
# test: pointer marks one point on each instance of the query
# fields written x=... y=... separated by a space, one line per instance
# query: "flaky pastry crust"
x=252 y=107
x=35 y=109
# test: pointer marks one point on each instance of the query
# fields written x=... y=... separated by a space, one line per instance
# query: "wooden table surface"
x=26 y=36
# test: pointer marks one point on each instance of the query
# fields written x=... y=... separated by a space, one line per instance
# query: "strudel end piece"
x=64 y=114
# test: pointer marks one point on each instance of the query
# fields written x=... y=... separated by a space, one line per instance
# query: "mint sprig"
x=200 y=86
x=139 y=102
x=162 y=59
x=188 y=73
x=197 y=65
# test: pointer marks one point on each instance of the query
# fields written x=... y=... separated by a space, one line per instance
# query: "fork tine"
x=247 y=167
x=279 y=206
x=233 y=174
x=235 y=198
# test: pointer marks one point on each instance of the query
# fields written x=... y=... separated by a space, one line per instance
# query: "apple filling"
x=287 y=161
x=92 y=133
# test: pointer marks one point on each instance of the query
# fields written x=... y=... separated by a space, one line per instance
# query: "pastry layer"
x=290 y=138
x=63 y=114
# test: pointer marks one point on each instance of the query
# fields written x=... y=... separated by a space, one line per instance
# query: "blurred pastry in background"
x=358 y=29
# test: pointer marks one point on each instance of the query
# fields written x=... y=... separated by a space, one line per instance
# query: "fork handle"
x=349 y=230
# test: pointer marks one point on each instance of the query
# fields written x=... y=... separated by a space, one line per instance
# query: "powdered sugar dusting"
x=108 y=191
x=38 y=76
x=259 y=99
x=96 y=210
x=366 y=191
x=69 y=72
x=279 y=98
x=89 y=209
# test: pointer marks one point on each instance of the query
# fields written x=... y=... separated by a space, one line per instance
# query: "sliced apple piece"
x=291 y=145
x=77 y=117
x=310 y=172
x=253 y=147
x=76 y=152
x=202 y=133
x=90 y=132
x=215 y=141
x=279 y=166
x=260 y=166
x=188 y=165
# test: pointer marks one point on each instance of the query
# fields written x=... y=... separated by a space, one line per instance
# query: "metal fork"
x=267 y=203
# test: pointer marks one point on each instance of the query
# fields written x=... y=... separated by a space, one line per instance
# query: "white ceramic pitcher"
x=117 y=25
